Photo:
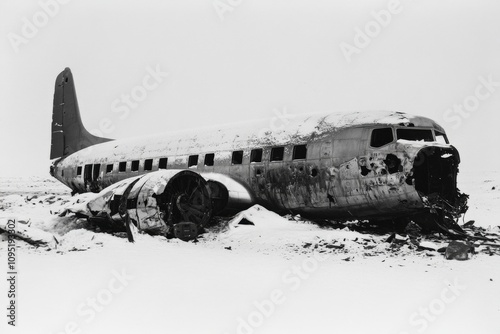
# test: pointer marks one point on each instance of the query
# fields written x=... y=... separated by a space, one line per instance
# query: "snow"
x=484 y=201
x=279 y=275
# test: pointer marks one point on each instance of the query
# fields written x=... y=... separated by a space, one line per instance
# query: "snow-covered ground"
x=277 y=276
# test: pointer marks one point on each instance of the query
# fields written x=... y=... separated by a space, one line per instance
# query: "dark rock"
x=413 y=230
x=391 y=237
x=457 y=250
x=120 y=234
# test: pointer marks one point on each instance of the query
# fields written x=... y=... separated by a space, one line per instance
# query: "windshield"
x=415 y=134
x=441 y=137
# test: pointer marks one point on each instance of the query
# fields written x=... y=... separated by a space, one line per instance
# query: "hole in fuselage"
x=435 y=171
x=393 y=164
x=364 y=170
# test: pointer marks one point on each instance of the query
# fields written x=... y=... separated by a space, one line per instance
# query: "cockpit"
x=383 y=136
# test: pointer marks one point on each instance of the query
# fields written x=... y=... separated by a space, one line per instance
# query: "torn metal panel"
x=155 y=202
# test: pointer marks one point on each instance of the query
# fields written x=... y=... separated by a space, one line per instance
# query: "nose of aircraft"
x=435 y=170
x=434 y=176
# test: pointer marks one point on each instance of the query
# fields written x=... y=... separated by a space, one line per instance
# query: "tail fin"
x=68 y=133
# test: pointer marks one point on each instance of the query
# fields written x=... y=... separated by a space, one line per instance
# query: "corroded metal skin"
x=341 y=177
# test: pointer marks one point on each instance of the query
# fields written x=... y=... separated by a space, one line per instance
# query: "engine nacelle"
x=229 y=196
x=156 y=201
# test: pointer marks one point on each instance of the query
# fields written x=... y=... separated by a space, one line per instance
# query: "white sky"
x=264 y=55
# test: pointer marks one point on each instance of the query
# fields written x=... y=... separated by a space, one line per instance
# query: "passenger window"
x=162 y=164
x=148 y=164
x=109 y=168
x=237 y=158
x=122 y=167
x=79 y=170
x=299 y=152
x=256 y=155
x=381 y=137
x=135 y=166
x=193 y=160
x=96 y=171
x=209 y=159
x=277 y=153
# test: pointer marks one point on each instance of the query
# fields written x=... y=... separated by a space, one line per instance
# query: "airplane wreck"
x=377 y=166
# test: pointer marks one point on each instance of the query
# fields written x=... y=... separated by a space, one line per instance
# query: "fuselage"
x=360 y=165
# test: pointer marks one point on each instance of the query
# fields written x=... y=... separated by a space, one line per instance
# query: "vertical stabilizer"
x=68 y=133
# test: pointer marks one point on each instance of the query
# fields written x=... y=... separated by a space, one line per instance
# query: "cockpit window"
x=441 y=137
x=415 y=134
x=381 y=137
